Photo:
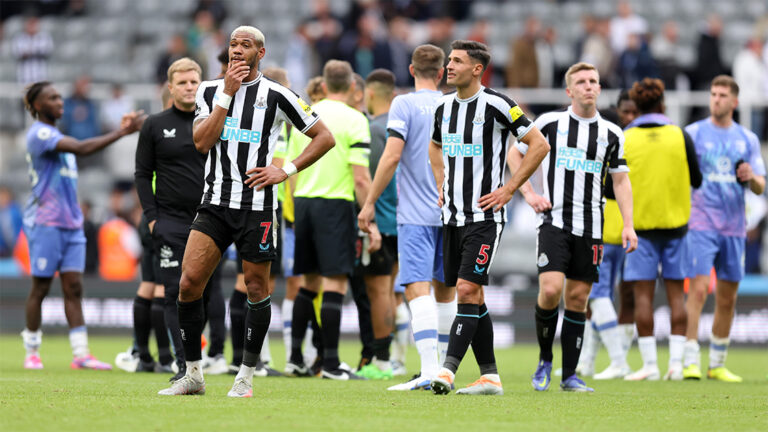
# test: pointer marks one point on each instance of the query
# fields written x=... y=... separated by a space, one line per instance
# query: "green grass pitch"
x=60 y=399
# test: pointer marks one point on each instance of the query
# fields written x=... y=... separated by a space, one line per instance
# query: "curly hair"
x=648 y=95
x=30 y=96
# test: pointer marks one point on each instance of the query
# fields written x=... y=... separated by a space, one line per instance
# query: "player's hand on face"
x=629 y=239
x=261 y=177
x=236 y=73
x=744 y=172
x=538 y=203
x=365 y=217
x=496 y=199
x=374 y=239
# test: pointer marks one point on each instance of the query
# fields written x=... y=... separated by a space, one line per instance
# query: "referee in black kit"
x=237 y=123
x=166 y=149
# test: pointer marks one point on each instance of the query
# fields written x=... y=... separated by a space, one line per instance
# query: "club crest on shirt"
x=479 y=119
x=43 y=133
x=261 y=103
x=543 y=260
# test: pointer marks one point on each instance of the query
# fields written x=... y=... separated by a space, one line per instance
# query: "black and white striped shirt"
x=32 y=53
x=473 y=134
x=581 y=150
x=248 y=139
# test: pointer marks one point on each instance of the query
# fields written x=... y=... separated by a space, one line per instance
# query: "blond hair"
x=253 y=31
x=578 y=67
x=315 y=89
x=184 y=64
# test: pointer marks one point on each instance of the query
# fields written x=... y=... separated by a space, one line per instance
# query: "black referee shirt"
x=166 y=148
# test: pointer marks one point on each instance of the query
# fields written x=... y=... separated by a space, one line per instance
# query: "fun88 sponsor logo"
x=232 y=132
x=453 y=146
x=574 y=159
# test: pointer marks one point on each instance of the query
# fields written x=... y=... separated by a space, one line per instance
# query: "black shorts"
x=276 y=268
x=253 y=232
x=468 y=251
x=379 y=263
x=325 y=236
x=170 y=239
x=149 y=261
x=578 y=257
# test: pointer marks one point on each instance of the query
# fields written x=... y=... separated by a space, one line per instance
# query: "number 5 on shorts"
x=483 y=254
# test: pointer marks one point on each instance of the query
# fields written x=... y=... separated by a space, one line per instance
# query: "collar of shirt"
x=652 y=118
x=580 y=118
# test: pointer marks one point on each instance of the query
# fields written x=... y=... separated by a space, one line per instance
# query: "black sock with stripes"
x=330 y=317
x=237 y=312
x=303 y=311
x=482 y=343
x=257 y=321
x=462 y=332
x=142 y=326
x=571 y=336
x=546 y=325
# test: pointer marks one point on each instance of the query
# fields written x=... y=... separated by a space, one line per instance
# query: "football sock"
x=462 y=333
x=676 y=348
x=381 y=348
x=142 y=326
x=32 y=341
x=257 y=321
x=216 y=317
x=191 y=321
x=571 y=336
x=402 y=332
x=446 y=312
x=286 y=311
x=718 y=351
x=161 y=331
x=691 y=353
x=546 y=325
x=172 y=323
x=303 y=311
x=482 y=343
x=237 y=311
x=330 y=316
x=424 y=325
x=647 y=345
x=627 y=334
x=590 y=345
x=606 y=321
x=78 y=339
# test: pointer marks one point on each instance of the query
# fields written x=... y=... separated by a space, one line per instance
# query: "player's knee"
x=257 y=289
x=190 y=286
x=550 y=292
x=73 y=290
x=467 y=292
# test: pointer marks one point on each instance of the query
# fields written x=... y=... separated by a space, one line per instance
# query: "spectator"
x=523 y=67
x=214 y=7
x=364 y=48
x=116 y=155
x=709 y=63
x=112 y=109
x=441 y=33
x=81 y=115
x=625 y=24
x=400 y=49
x=300 y=58
x=749 y=71
x=479 y=33
x=635 y=63
x=323 y=29
x=32 y=48
x=545 y=57
x=10 y=221
x=597 y=51
x=177 y=48
x=665 y=50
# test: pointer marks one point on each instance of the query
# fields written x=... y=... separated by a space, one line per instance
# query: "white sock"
x=691 y=353
x=647 y=345
x=718 y=350
x=32 y=341
x=604 y=316
x=245 y=372
x=446 y=313
x=382 y=364
x=287 y=312
x=424 y=325
x=266 y=354
x=78 y=339
x=676 y=347
x=589 y=346
x=310 y=352
x=195 y=369
x=402 y=333
x=627 y=333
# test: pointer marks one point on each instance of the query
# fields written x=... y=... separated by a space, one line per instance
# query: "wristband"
x=222 y=99
x=290 y=169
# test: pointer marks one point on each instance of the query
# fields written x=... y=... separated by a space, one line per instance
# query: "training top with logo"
x=53 y=201
x=718 y=204
x=331 y=176
x=473 y=134
x=410 y=119
x=248 y=139
x=166 y=149
x=581 y=150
